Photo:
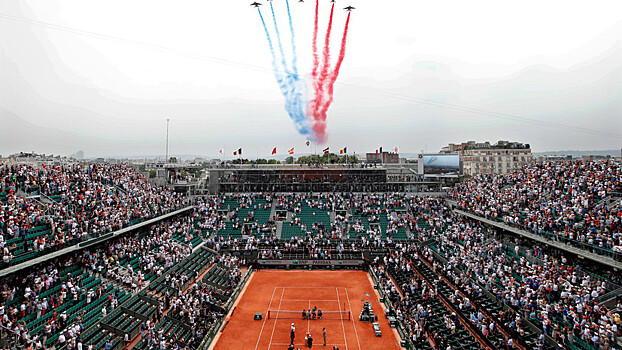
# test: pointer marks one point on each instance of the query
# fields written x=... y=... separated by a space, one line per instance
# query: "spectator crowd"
x=51 y=207
x=426 y=257
x=565 y=199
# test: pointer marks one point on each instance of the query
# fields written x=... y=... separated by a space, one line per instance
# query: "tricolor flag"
x=291 y=151
x=238 y=152
x=326 y=150
x=221 y=152
x=274 y=150
x=344 y=150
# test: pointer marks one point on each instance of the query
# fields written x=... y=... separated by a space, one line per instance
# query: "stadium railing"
x=551 y=236
x=86 y=241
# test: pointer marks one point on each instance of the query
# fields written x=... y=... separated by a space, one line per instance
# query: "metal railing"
x=82 y=242
x=590 y=248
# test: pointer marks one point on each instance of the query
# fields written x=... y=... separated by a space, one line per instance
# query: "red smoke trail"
x=319 y=86
x=316 y=60
x=335 y=74
x=326 y=64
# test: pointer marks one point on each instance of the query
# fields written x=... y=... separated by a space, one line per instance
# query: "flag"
x=308 y=143
x=326 y=150
x=235 y=153
x=221 y=152
x=274 y=150
x=381 y=150
x=396 y=149
x=291 y=151
x=376 y=151
x=240 y=151
x=344 y=150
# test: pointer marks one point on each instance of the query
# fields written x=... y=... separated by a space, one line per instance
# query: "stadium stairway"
x=132 y=309
x=273 y=209
x=143 y=306
x=279 y=229
x=172 y=331
x=461 y=338
x=474 y=340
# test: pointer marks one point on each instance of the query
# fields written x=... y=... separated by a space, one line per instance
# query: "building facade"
x=485 y=158
x=383 y=157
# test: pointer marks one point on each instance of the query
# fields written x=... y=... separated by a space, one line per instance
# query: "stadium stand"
x=449 y=281
x=50 y=207
x=574 y=202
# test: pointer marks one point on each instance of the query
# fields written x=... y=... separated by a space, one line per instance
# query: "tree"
x=351 y=159
x=273 y=161
x=330 y=158
x=289 y=160
x=172 y=160
x=152 y=173
x=314 y=158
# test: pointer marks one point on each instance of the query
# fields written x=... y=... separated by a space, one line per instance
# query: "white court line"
x=352 y=317
x=310 y=300
x=265 y=318
x=274 y=326
x=309 y=319
x=342 y=326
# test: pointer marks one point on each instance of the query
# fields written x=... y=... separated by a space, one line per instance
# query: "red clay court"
x=334 y=292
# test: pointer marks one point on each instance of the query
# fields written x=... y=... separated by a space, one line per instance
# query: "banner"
x=312 y=262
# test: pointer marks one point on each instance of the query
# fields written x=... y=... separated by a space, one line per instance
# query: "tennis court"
x=282 y=295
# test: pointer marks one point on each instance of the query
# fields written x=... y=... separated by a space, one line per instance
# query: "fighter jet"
x=256 y=4
x=349 y=8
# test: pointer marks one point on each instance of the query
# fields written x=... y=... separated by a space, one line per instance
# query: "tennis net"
x=326 y=315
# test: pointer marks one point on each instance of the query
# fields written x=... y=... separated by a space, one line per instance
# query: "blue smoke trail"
x=298 y=86
x=278 y=39
x=288 y=89
x=291 y=28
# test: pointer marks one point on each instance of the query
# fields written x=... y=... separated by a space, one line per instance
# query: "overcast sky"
x=102 y=76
